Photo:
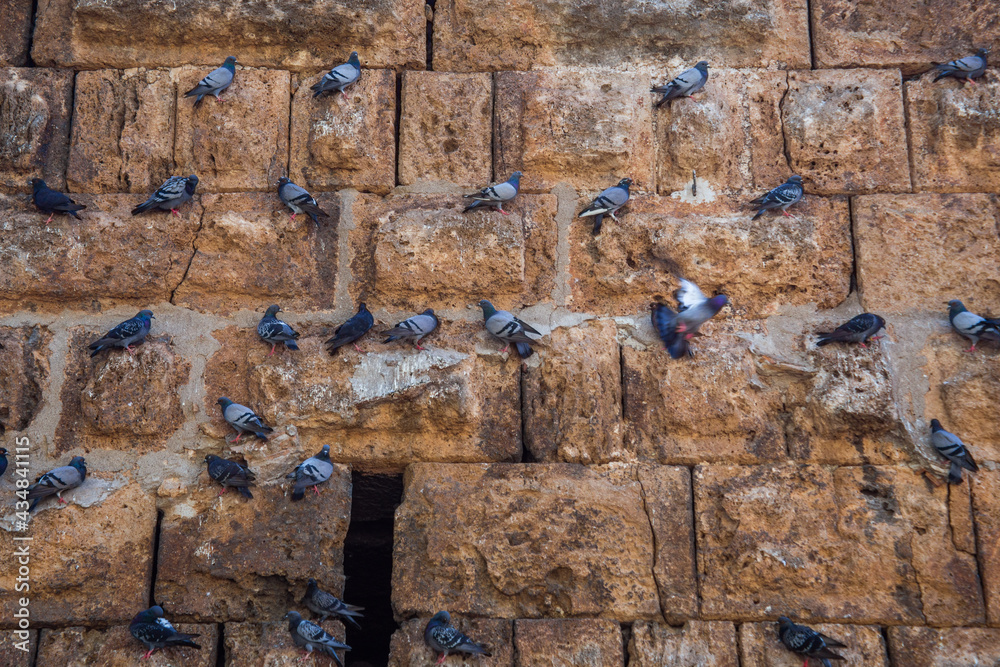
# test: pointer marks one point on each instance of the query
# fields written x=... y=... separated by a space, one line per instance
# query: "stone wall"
x=598 y=505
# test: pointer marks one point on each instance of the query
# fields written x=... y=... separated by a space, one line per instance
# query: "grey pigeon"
x=299 y=200
x=216 y=82
x=309 y=636
x=243 y=419
x=685 y=84
x=49 y=201
x=951 y=447
x=230 y=473
x=665 y=323
x=175 y=191
x=272 y=330
x=972 y=326
x=325 y=604
x=808 y=643
x=414 y=328
x=694 y=308
x=508 y=328
x=156 y=632
x=55 y=481
x=3 y=461
x=781 y=197
x=859 y=329
x=495 y=195
x=607 y=202
x=444 y=639
x=339 y=78
x=126 y=334
x=351 y=330
x=312 y=472
x=967 y=68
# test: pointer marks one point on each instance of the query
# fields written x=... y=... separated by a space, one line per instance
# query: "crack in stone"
x=781 y=114
x=194 y=252
x=652 y=531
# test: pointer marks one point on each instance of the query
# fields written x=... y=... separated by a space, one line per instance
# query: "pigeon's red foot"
x=972 y=81
x=358 y=348
x=316 y=490
x=224 y=489
x=972 y=349
x=238 y=436
x=174 y=211
x=441 y=659
x=293 y=217
x=148 y=653
x=506 y=347
x=61 y=501
x=272 y=350
x=420 y=348
x=219 y=100
x=864 y=346
x=306 y=655
x=131 y=351
x=786 y=213
x=503 y=211
x=50 y=219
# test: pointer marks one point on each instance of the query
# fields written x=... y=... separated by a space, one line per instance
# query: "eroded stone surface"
x=24 y=373
x=116 y=647
x=567 y=642
x=409 y=650
x=986 y=511
x=944 y=647
x=270 y=644
x=15 y=31
x=761 y=647
x=704 y=643
x=18 y=650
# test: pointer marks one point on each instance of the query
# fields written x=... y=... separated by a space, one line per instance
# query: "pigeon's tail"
x=299 y=492
x=524 y=350
x=944 y=70
x=74 y=214
x=144 y=206
x=35 y=501
x=390 y=339
x=473 y=205
x=96 y=349
x=197 y=101
x=262 y=433
x=350 y=619
x=759 y=213
x=955 y=473
x=827 y=663
x=184 y=640
x=598 y=219
x=291 y=345
x=245 y=491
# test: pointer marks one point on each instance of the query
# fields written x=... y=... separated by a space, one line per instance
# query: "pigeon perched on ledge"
x=243 y=419
x=325 y=604
x=58 y=480
x=495 y=195
x=156 y=632
x=274 y=331
x=312 y=472
x=50 y=201
x=414 y=328
x=175 y=191
x=230 y=473
x=339 y=78
x=609 y=201
x=859 y=329
x=351 y=330
x=309 y=636
x=685 y=84
x=972 y=326
x=215 y=82
x=968 y=68
x=126 y=334
x=300 y=201
x=780 y=197
x=951 y=447
x=807 y=642
x=444 y=639
x=509 y=329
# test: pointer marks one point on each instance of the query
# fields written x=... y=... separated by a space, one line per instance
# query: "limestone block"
x=703 y=643
x=116 y=647
x=35 y=109
x=761 y=647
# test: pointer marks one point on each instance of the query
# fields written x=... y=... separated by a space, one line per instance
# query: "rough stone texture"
x=771 y=540
x=986 y=511
x=345 y=144
x=844 y=131
x=499 y=35
x=409 y=650
x=702 y=643
x=761 y=265
x=229 y=558
x=726 y=134
x=270 y=644
x=947 y=647
x=116 y=647
x=761 y=647
x=15 y=31
x=569 y=642
x=123 y=131
x=35 y=109
x=589 y=128
x=445 y=128
x=286 y=34
x=915 y=252
x=11 y=651
x=954 y=134
x=91 y=560
x=24 y=373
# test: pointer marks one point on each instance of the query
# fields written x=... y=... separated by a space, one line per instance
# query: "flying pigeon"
x=49 y=201
x=808 y=643
x=972 y=326
x=308 y=636
x=951 y=447
x=495 y=195
x=967 y=68
x=126 y=334
x=781 y=197
x=414 y=328
x=695 y=309
x=243 y=419
x=509 y=329
x=665 y=323
x=175 y=191
x=339 y=78
x=150 y=628
x=686 y=84
x=859 y=329
x=312 y=472
x=58 y=480
x=230 y=473
x=444 y=639
x=324 y=604
x=216 y=82
x=607 y=202
x=351 y=330
x=299 y=200
x=3 y=461
x=272 y=330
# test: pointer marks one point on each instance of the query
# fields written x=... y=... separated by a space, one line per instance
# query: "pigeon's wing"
x=527 y=327
x=688 y=295
x=316 y=635
x=59 y=479
x=126 y=329
x=610 y=200
x=952 y=448
x=215 y=80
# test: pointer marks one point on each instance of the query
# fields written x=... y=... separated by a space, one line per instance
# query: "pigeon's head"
x=230 y=62
x=880 y=321
x=145 y=315
x=936 y=426
x=272 y=310
x=324 y=453
x=3 y=451
x=440 y=618
x=192 y=183
x=362 y=307
x=702 y=65
x=982 y=53
x=294 y=618
x=625 y=183
x=37 y=184
x=795 y=178
x=156 y=611
x=429 y=311
x=488 y=309
x=354 y=59
x=224 y=402
x=210 y=457
x=956 y=306
x=515 y=177
x=718 y=302
x=78 y=463
x=283 y=181
x=311 y=583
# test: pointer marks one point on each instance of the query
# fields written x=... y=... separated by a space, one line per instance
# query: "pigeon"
x=951 y=447
x=126 y=334
x=665 y=323
x=299 y=200
x=859 y=329
x=694 y=308
x=58 y=480
x=312 y=472
x=686 y=84
x=414 y=328
x=243 y=419
x=781 y=197
x=324 y=604
x=495 y=195
x=967 y=68
x=230 y=473
x=972 y=326
x=508 y=328
x=339 y=78
x=308 y=636
x=351 y=330
x=49 y=201
x=272 y=330
x=175 y=191
x=444 y=639
x=150 y=628
x=807 y=642
x=607 y=202
x=3 y=461
x=216 y=82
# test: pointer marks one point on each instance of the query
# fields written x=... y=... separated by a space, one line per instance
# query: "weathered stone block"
x=116 y=647
x=445 y=128
x=985 y=487
x=844 y=132
x=345 y=144
x=702 y=643
x=567 y=642
x=24 y=374
x=589 y=128
x=35 y=109
x=947 y=647
x=761 y=647
x=270 y=644
x=409 y=650
x=17 y=652
x=15 y=31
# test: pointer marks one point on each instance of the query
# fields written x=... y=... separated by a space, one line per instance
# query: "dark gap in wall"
x=854 y=250
x=156 y=557
x=429 y=15
x=626 y=630
x=30 y=62
x=220 y=651
x=812 y=34
x=526 y=455
x=885 y=642
x=399 y=116
x=621 y=376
